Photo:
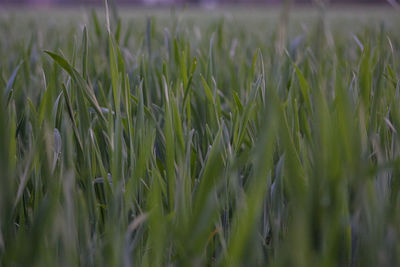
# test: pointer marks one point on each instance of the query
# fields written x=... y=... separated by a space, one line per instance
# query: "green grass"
x=199 y=138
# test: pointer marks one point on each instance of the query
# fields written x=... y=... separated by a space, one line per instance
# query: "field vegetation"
x=176 y=137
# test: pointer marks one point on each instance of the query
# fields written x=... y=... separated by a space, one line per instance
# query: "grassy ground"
x=239 y=137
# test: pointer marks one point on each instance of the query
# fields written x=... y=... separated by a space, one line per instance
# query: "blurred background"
x=169 y=2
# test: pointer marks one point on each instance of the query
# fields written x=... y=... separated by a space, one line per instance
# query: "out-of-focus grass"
x=194 y=138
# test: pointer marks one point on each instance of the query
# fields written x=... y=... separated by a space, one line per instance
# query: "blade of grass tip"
x=187 y=93
x=96 y=24
x=24 y=179
x=252 y=70
x=217 y=101
x=78 y=79
x=121 y=63
x=207 y=90
x=71 y=116
x=123 y=76
x=247 y=114
x=238 y=103
x=212 y=107
x=189 y=83
x=113 y=63
x=117 y=35
x=210 y=66
x=83 y=116
x=10 y=83
x=85 y=54
x=169 y=146
x=365 y=77
x=183 y=68
x=44 y=107
x=114 y=74
x=176 y=52
x=128 y=34
x=107 y=17
x=178 y=127
x=304 y=88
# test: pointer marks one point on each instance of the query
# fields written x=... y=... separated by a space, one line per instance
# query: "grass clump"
x=192 y=141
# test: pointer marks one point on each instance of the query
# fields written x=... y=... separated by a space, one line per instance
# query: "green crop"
x=194 y=138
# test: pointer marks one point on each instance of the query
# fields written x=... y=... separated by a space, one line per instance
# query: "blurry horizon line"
x=190 y=3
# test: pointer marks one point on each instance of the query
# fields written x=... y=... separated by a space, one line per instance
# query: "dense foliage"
x=199 y=139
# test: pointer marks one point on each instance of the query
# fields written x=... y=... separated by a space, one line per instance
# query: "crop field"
x=188 y=137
